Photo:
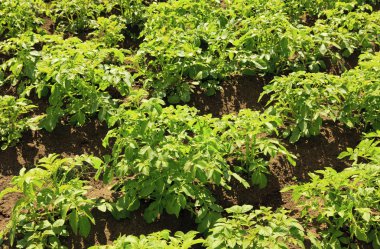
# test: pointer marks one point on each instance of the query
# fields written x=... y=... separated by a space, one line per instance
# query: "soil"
x=48 y=25
x=236 y=93
x=108 y=228
x=66 y=140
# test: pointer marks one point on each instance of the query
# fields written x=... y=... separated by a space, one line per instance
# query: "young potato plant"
x=167 y=157
x=346 y=202
x=76 y=76
x=251 y=144
x=19 y=59
x=18 y=16
x=52 y=197
x=14 y=119
x=304 y=100
x=261 y=228
x=108 y=30
x=157 y=240
x=132 y=11
x=362 y=105
x=75 y=15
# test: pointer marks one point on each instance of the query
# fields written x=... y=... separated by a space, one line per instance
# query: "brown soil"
x=108 y=228
x=66 y=140
x=237 y=93
x=343 y=65
x=48 y=25
x=7 y=203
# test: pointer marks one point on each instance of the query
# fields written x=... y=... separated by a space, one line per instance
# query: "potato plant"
x=160 y=240
x=76 y=77
x=19 y=16
x=304 y=100
x=108 y=30
x=53 y=198
x=362 y=104
x=346 y=202
x=15 y=118
x=167 y=156
x=75 y=15
x=261 y=228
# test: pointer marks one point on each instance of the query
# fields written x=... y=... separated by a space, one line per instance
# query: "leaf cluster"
x=168 y=155
x=304 y=100
x=52 y=195
x=15 y=118
x=348 y=201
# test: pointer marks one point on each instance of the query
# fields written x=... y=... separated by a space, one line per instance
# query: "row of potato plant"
x=18 y=16
x=75 y=16
x=189 y=43
x=76 y=76
x=351 y=198
x=304 y=99
x=243 y=228
x=54 y=198
x=346 y=205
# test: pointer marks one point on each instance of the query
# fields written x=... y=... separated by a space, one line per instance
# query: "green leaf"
x=323 y=49
x=84 y=226
x=74 y=221
x=296 y=134
x=260 y=179
x=360 y=234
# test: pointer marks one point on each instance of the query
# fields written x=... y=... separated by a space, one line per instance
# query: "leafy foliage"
x=262 y=228
x=299 y=9
x=52 y=196
x=14 y=119
x=189 y=43
x=108 y=30
x=362 y=105
x=76 y=15
x=304 y=100
x=75 y=75
x=348 y=201
x=18 y=16
x=160 y=240
x=169 y=155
